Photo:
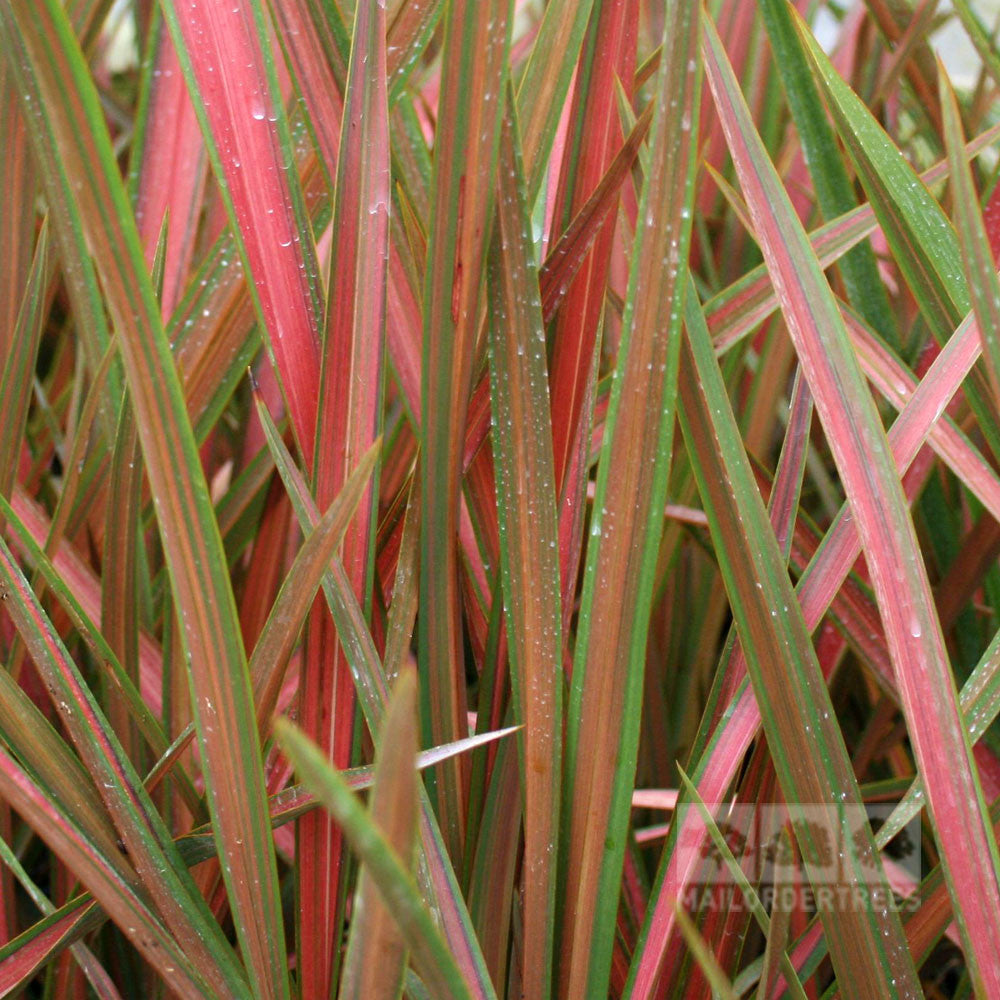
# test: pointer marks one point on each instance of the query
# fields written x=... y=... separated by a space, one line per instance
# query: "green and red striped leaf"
x=863 y=459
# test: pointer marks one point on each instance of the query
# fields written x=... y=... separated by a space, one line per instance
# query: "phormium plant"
x=498 y=498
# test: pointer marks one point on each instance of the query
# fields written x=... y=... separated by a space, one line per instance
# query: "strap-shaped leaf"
x=54 y=77
x=626 y=522
x=475 y=63
x=526 y=504
x=857 y=440
x=431 y=955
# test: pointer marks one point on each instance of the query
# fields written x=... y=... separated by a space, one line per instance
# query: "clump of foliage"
x=498 y=499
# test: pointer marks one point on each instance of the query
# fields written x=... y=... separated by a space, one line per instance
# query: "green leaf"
x=19 y=362
x=435 y=962
x=474 y=66
x=119 y=899
x=435 y=872
x=146 y=838
x=526 y=503
x=279 y=636
x=830 y=178
x=626 y=521
x=806 y=746
x=545 y=82
x=376 y=954
x=857 y=440
x=977 y=257
x=52 y=71
x=922 y=239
